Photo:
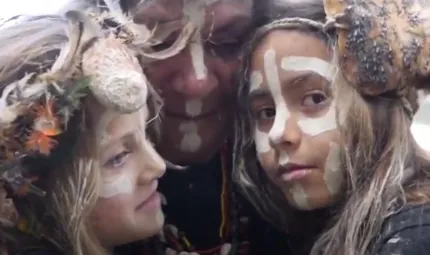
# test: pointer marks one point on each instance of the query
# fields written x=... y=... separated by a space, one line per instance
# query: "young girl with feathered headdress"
x=75 y=157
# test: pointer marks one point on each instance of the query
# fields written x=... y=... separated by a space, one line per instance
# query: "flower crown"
x=103 y=57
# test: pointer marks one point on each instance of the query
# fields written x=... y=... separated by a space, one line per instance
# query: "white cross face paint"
x=193 y=107
x=191 y=140
x=119 y=185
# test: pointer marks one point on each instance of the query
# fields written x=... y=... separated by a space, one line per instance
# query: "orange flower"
x=40 y=142
x=46 y=122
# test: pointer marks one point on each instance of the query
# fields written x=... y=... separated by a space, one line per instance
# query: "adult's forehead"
x=167 y=10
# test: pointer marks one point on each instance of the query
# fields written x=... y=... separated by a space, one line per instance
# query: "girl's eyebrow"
x=258 y=94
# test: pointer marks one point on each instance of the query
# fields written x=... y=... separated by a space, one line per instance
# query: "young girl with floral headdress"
x=327 y=109
x=74 y=154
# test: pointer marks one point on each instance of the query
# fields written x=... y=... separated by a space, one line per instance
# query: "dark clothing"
x=194 y=208
x=406 y=233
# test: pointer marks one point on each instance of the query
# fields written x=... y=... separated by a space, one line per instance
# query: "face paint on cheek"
x=333 y=174
x=193 y=107
x=316 y=126
x=282 y=113
x=191 y=140
x=265 y=153
x=120 y=185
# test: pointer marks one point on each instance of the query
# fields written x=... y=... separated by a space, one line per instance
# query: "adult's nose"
x=194 y=78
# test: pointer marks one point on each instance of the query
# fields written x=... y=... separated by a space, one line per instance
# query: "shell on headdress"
x=117 y=80
x=383 y=45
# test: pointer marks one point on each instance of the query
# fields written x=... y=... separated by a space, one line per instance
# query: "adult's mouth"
x=293 y=172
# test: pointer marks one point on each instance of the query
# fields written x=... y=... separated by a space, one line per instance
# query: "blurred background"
x=8 y=9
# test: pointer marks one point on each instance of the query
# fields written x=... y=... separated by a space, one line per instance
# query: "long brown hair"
x=385 y=168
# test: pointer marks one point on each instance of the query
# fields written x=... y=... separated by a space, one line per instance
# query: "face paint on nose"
x=282 y=113
x=195 y=12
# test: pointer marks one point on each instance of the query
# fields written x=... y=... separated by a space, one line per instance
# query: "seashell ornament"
x=117 y=80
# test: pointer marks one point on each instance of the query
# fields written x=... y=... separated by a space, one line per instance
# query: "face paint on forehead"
x=316 y=65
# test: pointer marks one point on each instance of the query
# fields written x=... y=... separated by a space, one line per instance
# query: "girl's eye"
x=314 y=99
x=266 y=114
x=118 y=160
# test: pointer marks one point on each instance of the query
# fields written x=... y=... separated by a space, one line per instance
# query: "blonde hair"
x=70 y=174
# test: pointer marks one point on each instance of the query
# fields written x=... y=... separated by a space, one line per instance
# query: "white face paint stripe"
x=282 y=113
x=283 y=158
x=262 y=144
x=316 y=65
x=299 y=196
x=256 y=80
x=193 y=107
x=195 y=12
x=121 y=185
x=191 y=140
x=316 y=126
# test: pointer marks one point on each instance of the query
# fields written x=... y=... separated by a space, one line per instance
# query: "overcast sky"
x=10 y=8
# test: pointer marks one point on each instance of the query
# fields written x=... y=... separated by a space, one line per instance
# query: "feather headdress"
x=100 y=59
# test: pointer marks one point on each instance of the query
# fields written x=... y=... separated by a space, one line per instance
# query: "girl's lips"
x=152 y=200
x=293 y=172
x=295 y=175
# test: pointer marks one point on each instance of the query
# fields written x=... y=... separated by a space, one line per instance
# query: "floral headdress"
x=103 y=57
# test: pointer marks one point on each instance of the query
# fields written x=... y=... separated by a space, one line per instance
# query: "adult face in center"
x=196 y=84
